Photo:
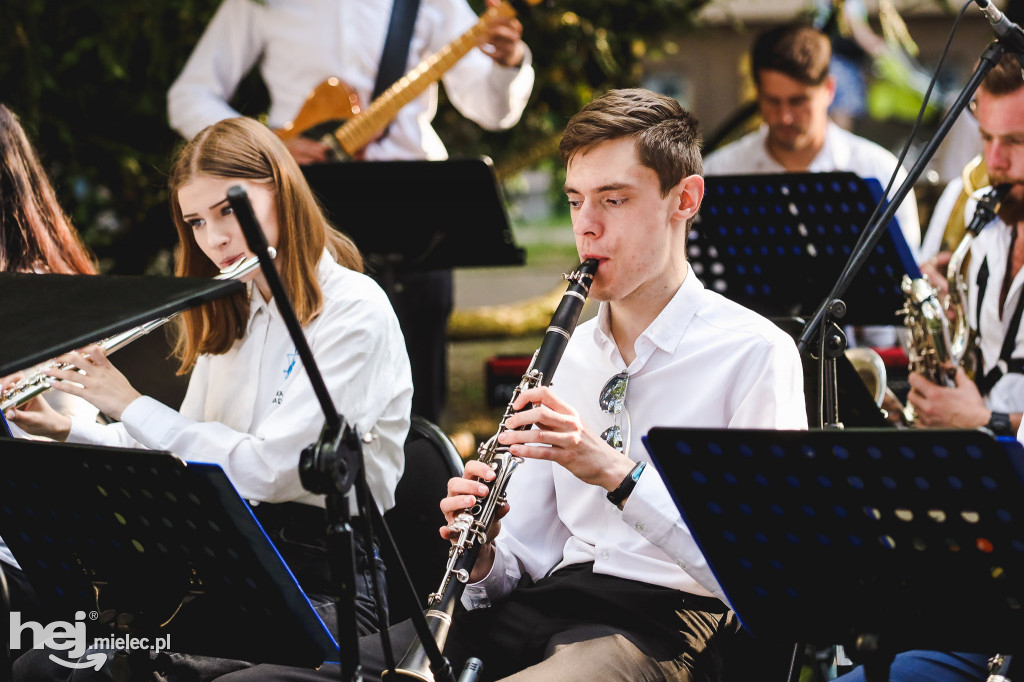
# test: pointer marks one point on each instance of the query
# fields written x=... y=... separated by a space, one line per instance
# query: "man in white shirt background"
x=298 y=45
x=790 y=64
x=593 y=573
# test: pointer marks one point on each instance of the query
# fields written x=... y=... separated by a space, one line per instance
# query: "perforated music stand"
x=419 y=215
x=776 y=242
x=915 y=537
x=142 y=533
x=43 y=316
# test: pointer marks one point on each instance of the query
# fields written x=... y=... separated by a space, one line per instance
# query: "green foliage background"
x=89 y=81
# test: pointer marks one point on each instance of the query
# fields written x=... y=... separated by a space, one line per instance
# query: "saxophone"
x=38 y=382
x=941 y=338
x=471 y=525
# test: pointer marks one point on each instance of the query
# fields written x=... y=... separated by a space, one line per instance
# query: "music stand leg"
x=342 y=552
x=793 y=674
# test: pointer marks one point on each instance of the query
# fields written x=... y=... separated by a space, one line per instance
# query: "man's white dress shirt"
x=842 y=151
x=300 y=43
x=703 y=362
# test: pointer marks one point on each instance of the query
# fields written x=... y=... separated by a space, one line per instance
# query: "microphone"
x=1007 y=31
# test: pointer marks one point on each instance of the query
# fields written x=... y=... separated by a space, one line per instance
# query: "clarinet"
x=470 y=527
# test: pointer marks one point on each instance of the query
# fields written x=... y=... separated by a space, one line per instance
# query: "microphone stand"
x=331 y=467
x=822 y=327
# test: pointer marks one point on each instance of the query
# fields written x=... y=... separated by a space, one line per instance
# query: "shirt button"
x=603 y=553
x=639 y=527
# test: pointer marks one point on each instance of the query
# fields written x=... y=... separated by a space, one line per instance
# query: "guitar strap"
x=396 y=45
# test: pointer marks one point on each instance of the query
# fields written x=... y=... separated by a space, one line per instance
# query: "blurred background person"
x=299 y=45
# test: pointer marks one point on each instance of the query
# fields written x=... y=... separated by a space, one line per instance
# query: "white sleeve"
x=774 y=396
x=773 y=399
x=85 y=429
x=531 y=541
x=907 y=216
x=227 y=50
x=910 y=223
x=940 y=217
x=491 y=95
x=358 y=355
x=650 y=510
x=91 y=432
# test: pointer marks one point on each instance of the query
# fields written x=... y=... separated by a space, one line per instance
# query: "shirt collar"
x=256 y=302
x=664 y=333
x=833 y=154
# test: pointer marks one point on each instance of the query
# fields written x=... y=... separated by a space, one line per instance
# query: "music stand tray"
x=776 y=243
x=419 y=215
x=822 y=536
x=45 y=315
x=172 y=544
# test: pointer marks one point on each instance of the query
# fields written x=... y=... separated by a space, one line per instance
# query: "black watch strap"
x=618 y=495
x=999 y=424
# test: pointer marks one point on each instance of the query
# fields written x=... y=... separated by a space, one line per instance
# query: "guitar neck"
x=358 y=132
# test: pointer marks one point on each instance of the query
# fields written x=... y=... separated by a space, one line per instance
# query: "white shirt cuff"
x=151 y=422
x=500 y=581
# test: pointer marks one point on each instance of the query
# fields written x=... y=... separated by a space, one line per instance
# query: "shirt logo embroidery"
x=293 y=356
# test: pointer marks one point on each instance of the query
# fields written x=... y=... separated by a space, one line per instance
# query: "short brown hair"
x=666 y=136
x=1004 y=78
x=797 y=50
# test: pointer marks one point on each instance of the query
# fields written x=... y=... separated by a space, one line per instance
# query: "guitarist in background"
x=301 y=43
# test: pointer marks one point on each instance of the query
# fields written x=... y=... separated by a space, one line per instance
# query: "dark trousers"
x=573 y=625
x=299 y=534
x=423 y=303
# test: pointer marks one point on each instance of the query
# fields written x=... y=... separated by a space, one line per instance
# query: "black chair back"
x=430 y=460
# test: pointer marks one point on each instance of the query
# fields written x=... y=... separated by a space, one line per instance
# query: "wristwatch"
x=999 y=424
x=618 y=496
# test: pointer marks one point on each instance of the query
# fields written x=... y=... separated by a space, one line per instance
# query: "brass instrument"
x=999 y=668
x=38 y=382
x=472 y=524
x=871 y=370
x=941 y=338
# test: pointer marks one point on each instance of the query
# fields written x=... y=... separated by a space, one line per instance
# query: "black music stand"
x=904 y=539
x=773 y=242
x=857 y=406
x=170 y=544
x=43 y=316
x=418 y=215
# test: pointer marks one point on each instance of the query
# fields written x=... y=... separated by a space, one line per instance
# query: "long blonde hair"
x=241 y=148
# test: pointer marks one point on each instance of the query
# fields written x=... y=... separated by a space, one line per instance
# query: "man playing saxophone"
x=994 y=298
x=593 y=574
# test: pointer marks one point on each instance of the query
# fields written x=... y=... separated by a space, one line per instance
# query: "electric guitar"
x=333 y=114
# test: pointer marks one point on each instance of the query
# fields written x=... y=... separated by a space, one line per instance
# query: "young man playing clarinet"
x=592 y=574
